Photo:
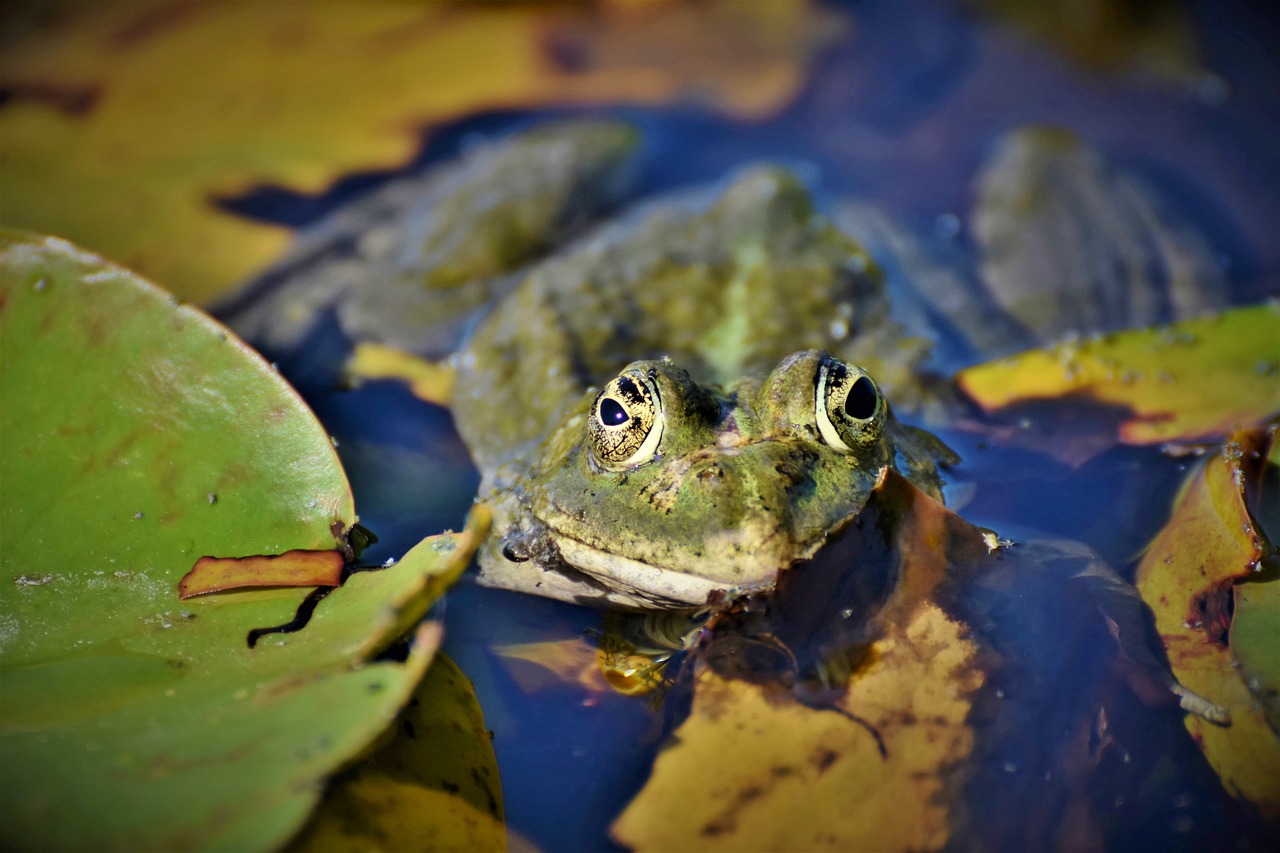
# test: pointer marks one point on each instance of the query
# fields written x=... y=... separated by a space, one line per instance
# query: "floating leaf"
x=1255 y=627
x=135 y=436
x=135 y=112
x=1187 y=575
x=1190 y=380
x=292 y=568
x=432 y=786
x=753 y=767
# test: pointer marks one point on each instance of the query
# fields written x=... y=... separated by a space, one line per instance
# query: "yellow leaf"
x=754 y=768
x=431 y=381
x=1186 y=576
x=127 y=123
x=1190 y=380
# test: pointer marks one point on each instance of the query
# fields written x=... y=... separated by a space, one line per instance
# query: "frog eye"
x=626 y=421
x=850 y=409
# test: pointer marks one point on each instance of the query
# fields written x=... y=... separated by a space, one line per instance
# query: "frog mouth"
x=656 y=585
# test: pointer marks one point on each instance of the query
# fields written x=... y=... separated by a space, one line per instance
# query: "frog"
x=681 y=406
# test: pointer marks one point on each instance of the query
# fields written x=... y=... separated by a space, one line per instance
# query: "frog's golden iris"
x=850 y=409
x=626 y=421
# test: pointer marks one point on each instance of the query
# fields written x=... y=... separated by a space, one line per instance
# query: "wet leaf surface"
x=1207 y=558
x=433 y=785
x=157 y=160
x=129 y=720
x=901 y=687
x=1186 y=381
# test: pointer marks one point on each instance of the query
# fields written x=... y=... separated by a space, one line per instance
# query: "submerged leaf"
x=1190 y=380
x=430 y=381
x=136 y=434
x=1211 y=547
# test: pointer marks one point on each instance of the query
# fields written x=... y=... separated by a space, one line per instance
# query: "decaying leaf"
x=755 y=767
x=550 y=663
x=98 y=112
x=1189 y=575
x=136 y=434
x=433 y=785
x=1190 y=380
x=292 y=568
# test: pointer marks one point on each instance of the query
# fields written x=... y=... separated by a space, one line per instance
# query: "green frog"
x=683 y=404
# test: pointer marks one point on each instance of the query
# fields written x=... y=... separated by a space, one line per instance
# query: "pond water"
x=901 y=112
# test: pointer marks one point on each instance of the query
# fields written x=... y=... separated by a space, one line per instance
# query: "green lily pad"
x=1255 y=625
x=432 y=786
x=1209 y=554
x=135 y=436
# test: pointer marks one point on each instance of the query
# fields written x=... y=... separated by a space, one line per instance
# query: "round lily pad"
x=137 y=435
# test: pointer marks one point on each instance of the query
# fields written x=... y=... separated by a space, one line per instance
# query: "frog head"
x=656 y=491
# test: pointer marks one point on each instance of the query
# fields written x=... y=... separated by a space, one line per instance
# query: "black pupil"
x=861 y=402
x=612 y=413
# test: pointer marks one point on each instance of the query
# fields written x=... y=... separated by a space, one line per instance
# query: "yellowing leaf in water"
x=549 y=663
x=1190 y=380
x=1186 y=576
x=431 y=381
x=128 y=122
x=754 y=768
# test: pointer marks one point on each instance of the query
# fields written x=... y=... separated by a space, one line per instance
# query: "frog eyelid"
x=840 y=429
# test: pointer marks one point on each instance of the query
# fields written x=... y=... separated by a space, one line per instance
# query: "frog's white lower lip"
x=651 y=584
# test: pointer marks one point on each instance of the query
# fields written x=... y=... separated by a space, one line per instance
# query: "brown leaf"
x=292 y=568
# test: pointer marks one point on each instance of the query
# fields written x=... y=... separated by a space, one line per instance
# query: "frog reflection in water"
x=649 y=436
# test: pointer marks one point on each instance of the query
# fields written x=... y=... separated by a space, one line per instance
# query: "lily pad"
x=434 y=785
x=1210 y=548
x=1186 y=381
x=135 y=436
